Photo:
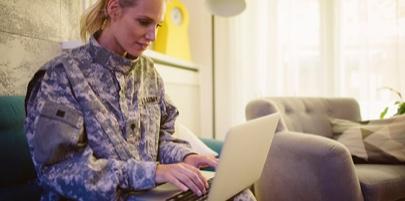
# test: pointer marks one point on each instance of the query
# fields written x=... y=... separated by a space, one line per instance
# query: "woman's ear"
x=114 y=9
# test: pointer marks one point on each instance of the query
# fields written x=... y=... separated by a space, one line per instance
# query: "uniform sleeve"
x=171 y=150
x=64 y=161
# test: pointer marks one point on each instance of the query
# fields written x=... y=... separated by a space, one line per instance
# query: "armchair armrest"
x=308 y=167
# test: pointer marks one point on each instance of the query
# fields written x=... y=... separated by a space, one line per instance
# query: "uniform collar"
x=109 y=59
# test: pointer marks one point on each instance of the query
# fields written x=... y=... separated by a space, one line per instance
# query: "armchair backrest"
x=17 y=167
x=305 y=114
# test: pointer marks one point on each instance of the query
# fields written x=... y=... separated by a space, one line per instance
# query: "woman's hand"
x=183 y=176
x=201 y=161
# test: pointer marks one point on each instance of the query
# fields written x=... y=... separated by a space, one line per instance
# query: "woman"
x=98 y=122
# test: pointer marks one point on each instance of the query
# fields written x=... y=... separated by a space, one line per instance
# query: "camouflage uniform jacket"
x=98 y=123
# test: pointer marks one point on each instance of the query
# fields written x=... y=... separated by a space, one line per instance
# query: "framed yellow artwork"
x=172 y=38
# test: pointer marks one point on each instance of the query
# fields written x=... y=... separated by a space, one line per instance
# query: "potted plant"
x=399 y=104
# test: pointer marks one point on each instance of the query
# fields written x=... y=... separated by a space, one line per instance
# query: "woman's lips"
x=143 y=45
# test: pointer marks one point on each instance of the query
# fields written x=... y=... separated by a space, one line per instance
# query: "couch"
x=18 y=179
x=306 y=164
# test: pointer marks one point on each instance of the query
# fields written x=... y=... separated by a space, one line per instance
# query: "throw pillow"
x=379 y=141
x=197 y=145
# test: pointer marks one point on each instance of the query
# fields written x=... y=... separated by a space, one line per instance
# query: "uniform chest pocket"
x=58 y=132
x=150 y=124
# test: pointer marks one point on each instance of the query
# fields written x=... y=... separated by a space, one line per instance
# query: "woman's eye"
x=144 y=23
x=147 y=23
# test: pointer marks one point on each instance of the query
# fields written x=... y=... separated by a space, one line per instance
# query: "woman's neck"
x=107 y=40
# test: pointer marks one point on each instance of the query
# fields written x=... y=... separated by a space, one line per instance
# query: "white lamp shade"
x=226 y=8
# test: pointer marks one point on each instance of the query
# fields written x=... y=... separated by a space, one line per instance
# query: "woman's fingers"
x=183 y=176
x=208 y=161
x=192 y=182
x=200 y=161
x=177 y=183
x=193 y=178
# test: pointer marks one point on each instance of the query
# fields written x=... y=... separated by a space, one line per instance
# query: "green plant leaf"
x=383 y=113
x=401 y=108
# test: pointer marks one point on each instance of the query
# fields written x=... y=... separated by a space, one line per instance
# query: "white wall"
x=201 y=52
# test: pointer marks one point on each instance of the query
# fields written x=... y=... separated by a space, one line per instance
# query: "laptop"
x=241 y=163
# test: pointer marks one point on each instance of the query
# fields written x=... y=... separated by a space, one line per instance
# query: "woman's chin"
x=135 y=53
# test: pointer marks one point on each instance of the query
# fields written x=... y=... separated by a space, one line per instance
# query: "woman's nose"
x=151 y=34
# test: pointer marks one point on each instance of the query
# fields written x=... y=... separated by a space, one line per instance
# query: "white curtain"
x=329 y=48
x=371 y=42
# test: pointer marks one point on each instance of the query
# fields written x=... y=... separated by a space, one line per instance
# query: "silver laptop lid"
x=243 y=156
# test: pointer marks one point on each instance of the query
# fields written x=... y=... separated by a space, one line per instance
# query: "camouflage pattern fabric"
x=97 y=125
x=245 y=195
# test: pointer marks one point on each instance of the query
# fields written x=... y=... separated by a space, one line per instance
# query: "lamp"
x=226 y=8
x=223 y=8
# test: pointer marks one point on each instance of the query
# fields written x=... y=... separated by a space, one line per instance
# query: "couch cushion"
x=17 y=166
x=382 y=182
x=183 y=133
x=376 y=141
x=24 y=192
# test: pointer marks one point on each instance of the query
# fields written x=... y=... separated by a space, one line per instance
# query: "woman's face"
x=134 y=28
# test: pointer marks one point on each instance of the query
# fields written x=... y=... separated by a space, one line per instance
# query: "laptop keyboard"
x=189 y=195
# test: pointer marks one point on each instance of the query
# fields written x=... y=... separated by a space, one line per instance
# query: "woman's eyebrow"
x=144 y=17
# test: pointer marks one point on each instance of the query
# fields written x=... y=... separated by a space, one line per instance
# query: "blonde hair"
x=96 y=17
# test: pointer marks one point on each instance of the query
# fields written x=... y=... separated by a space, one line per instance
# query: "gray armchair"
x=306 y=164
